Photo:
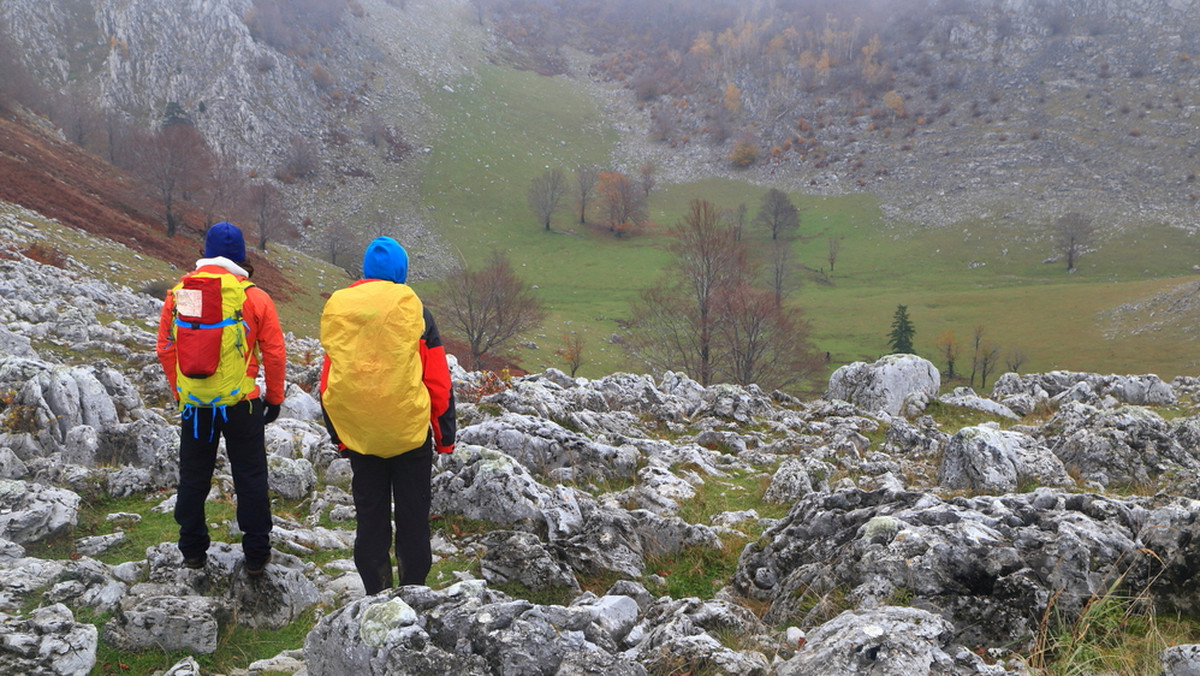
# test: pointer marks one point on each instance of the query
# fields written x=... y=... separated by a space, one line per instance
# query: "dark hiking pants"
x=242 y=426
x=379 y=484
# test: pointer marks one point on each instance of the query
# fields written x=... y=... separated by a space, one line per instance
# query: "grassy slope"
x=504 y=127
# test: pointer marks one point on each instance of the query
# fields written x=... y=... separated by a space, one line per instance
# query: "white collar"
x=223 y=262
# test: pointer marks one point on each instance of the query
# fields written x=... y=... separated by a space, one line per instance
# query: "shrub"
x=744 y=154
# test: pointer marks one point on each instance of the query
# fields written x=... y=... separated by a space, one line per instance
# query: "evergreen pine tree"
x=901 y=337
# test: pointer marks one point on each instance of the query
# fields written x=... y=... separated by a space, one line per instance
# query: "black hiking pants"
x=387 y=489
x=242 y=426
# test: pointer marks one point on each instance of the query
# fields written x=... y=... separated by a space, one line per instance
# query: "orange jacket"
x=264 y=332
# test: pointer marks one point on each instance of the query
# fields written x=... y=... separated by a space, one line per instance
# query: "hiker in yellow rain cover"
x=389 y=405
x=213 y=325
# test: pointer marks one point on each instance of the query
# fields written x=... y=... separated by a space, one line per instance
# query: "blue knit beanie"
x=385 y=259
x=225 y=239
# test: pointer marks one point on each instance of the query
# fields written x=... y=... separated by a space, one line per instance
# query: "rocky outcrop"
x=905 y=547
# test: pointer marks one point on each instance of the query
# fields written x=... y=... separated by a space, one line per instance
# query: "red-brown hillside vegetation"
x=41 y=171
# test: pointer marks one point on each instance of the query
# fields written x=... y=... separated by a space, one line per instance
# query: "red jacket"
x=263 y=332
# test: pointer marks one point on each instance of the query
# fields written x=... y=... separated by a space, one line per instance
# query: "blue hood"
x=385 y=259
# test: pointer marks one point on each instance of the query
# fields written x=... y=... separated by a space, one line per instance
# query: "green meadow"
x=503 y=127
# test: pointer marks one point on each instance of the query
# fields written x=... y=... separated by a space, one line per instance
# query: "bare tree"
x=737 y=219
x=781 y=268
x=988 y=359
x=778 y=213
x=762 y=342
x=224 y=193
x=585 y=184
x=947 y=345
x=1015 y=360
x=545 y=192
x=301 y=159
x=674 y=325
x=268 y=213
x=646 y=179
x=976 y=351
x=175 y=161
x=338 y=239
x=1074 y=233
x=835 y=247
x=488 y=306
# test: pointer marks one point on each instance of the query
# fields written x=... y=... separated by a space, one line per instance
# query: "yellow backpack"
x=212 y=345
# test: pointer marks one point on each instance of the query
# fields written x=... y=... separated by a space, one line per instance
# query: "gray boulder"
x=898 y=384
x=32 y=512
x=990 y=460
x=49 y=642
x=886 y=641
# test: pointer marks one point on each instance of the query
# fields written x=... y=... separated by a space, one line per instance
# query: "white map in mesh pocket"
x=189 y=302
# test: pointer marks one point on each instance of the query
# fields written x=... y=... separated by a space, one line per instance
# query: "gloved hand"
x=270 y=413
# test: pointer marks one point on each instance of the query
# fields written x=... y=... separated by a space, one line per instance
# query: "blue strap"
x=228 y=321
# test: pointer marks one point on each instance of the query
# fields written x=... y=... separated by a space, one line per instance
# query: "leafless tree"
x=737 y=219
x=646 y=179
x=781 y=267
x=761 y=341
x=675 y=323
x=1015 y=360
x=1074 y=233
x=976 y=351
x=545 y=192
x=301 y=159
x=835 y=247
x=487 y=307
x=17 y=85
x=224 y=193
x=268 y=213
x=175 y=161
x=586 y=176
x=778 y=213
x=989 y=357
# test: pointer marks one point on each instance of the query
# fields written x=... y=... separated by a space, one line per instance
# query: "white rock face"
x=898 y=384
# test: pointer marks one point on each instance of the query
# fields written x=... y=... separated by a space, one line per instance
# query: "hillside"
x=1007 y=116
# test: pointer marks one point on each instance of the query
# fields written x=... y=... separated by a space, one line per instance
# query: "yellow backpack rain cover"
x=375 y=392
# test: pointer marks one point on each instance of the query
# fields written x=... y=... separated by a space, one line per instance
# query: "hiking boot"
x=256 y=568
x=195 y=561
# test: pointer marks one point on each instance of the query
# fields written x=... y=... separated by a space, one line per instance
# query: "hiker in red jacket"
x=389 y=404
x=227 y=402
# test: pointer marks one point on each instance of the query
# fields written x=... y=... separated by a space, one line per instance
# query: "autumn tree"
x=586 y=176
x=901 y=337
x=572 y=351
x=761 y=341
x=1074 y=233
x=777 y=213
x=674 y=325
x=545 y=192
x=174 y=160
x=947 y=347
x=488 y=306
x=620 y=203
